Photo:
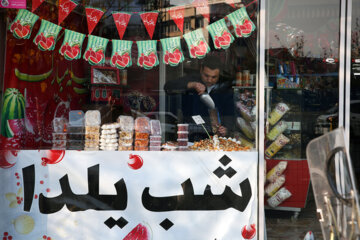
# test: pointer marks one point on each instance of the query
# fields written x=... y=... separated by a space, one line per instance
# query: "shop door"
x=304 y=75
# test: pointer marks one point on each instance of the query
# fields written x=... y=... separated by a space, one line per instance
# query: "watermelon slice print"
x=140 y=232
x=8 y=158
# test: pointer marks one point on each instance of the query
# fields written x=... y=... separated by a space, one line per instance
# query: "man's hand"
x=199 y=87
x=222 y=131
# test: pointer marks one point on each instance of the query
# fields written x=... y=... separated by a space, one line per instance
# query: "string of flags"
x=94 y=53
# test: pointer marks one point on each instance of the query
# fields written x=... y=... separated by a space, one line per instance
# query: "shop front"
x=169 y=119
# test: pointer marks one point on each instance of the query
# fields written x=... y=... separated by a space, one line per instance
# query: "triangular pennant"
x=241 y=22
x=220 y=34
x=35 y=4
x=65 y=8
x=147 y=57
x=46 y=37
x=121 y=54
x=121 y=20
x=95 y=50
x=177 y=14
x=202 y=7
x=71 y=46
x=172 y=53
x=93 y=16
x=231 y=3
x=23 y=24
x=149 y=19
x=197 y=44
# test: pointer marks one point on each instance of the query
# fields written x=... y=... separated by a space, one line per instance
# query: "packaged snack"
x=108 y=140
x=169 y=146
x=92 y=129
x=277 y=113
x=245 y=112
x=76 y=118
x=155 y=138
x=125 y=148
x=155 y=127
x=182 y=142
x=75 y=129
x=245 y=128
x=272 y=187
x=91 y=148
x=279 y=128
x=183 y=127
x=141 y=142
x=92 y=137
x=279 y=197
x=126 y=123
x=59 y=125
x=141 y=135
x=125 y=134
x=76 y=136
x=276 y=171
x=244 y=142
x=123 y=141
x=59 y=136
x=142 y=124
x=155 y=148
x=90 y=144
x=139 y=148
x=92 y=118
x=110 y=126
x=155 y=143
x=183 y=135
x=275 y=146
x=74 y=144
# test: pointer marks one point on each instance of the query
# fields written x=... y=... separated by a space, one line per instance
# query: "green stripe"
x=11 y=109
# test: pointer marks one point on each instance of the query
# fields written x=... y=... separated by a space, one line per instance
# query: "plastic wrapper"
x=142 y=124
x=279 y=128
x=279 y=197
x=125 y=134
x=76 y=118
x=277 y=113
x=141 y=142
x=245 y=128
x=92 y=118
x=272 y=187
x=141 y=135
x=123 y=141
x=155 y=138
x=182 y=142
x=276 y=171
x=155 y=127
x=275 y=146
x=183 y=127
x=245 y=112
x=59 y=125
x=59 y=136
x=183 y=135
x=126 y=123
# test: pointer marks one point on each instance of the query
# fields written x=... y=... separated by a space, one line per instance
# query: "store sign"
x=128 y=195
x=13 y=4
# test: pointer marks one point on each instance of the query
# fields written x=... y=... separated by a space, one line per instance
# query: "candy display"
x=275 y=146
x=276 y=171
x=277 y=113
x=109 y=137
x=141 y=135
x=142 y=125
x=92 y=130
x=279 y=197
x=272 y=187
x=126 y=123
x=225 y=144
x=279 y=128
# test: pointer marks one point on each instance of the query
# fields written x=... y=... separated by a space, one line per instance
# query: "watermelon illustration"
x=22 y=31
x=13 y=108
x=245 y=29
x=39 y=38
x=14 y=25
x=140 y=232
x=8 y=158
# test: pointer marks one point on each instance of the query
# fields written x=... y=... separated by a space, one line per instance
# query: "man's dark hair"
x=212 y=62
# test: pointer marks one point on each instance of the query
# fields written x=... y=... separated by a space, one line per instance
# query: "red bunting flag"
x=177 y=14
x=36 y=4
x=121 y=21
x=149 y=19
x=231 y=3
x=203 y=8
x=93 y=16
x=65 y=8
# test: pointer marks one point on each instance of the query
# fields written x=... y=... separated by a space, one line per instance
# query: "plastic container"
x=138 y=148
x=109 y=140
x=182 y=134
x=141 y=135
x=155 y=143
x=141 y=142
x=91 y=148
x=125 y=134
x=182 y=148
x=142 y=124
x=92 y=129
x=155 y=138
x=92 y=118
x=59 y=125
x=155 y=148
x=76 y=118
x=123 y=141
x=183 y=127
x=74 y=129
x=59 y=144
x=76 y=136
x=125 y=148
x=92 y=137
x=126 y=123
x=155 y=127
x=182 y=142
x=59 y=136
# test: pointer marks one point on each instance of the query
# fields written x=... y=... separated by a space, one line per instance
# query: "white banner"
x=128 y=195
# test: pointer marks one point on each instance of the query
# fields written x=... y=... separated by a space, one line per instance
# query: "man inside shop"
x=207 y=81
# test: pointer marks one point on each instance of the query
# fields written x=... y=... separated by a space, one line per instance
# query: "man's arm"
x=185 y=84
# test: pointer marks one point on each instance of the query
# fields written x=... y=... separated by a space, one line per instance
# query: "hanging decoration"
x=65 y=8
x=147 y=57
x=71 y=46
x=149 y=19
x=121 y=20
x=95 y=49
x=202 y=7
x=231 y=3
x=220 y=34
x=172 y=54
x=197 y=44
x=177 y=15
x=93 y=16
x=46 y=37
x=121 y=54
x=241 y=22
x=35 y=4
x=23 y=24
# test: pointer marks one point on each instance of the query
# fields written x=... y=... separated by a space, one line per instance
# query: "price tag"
x=198 y=119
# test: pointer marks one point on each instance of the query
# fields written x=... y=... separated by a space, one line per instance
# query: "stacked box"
x=76 y=130
x=183 y=137
x=126 y=132
x=109 y=137
x=92 y=130
x=155 y=137
x=142 y=133
x=59 y=133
